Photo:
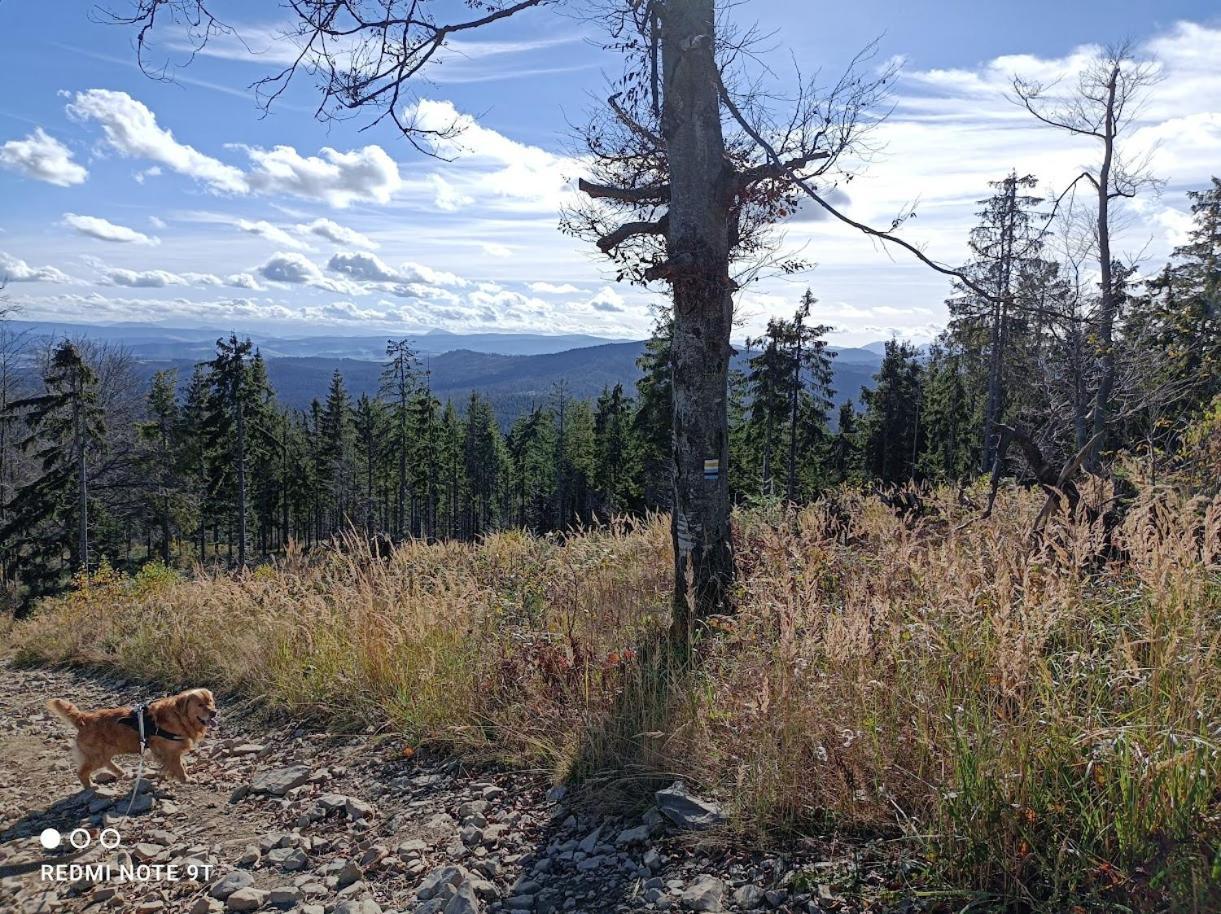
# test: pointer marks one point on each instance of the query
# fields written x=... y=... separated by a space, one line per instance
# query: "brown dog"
x=172 y=726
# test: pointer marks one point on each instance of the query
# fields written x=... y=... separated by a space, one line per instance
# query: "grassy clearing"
x=1039 y=726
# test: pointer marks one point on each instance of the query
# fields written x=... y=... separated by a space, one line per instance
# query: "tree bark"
x=794 y=403
x=1106 y=310
x=697 y=249
x=241 y=479
x=999 y=336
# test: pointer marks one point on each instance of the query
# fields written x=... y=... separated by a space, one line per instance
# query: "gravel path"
x=294 y=820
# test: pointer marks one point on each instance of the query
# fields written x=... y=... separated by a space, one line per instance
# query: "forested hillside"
x=233 y=458
x=514 y=384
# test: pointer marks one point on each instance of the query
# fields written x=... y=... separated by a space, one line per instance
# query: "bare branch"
x=770 y=171
x=630 y=230
x=652 y=193
x=804 y=185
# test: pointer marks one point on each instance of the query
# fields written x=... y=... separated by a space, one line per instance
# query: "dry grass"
x=1039 y=724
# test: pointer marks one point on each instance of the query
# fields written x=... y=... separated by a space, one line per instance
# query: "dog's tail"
x=66 y=711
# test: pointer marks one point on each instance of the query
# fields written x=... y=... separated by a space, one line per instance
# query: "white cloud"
x=346 y=311
x=243 y=281
x=104 y=230
x=362 y=266
x=338 y=178
x=607 y=299
x=161 y=279
x=340 y=234
x=492 y=249
x=131 y=130
x=369 y=268
x=417 y=272
x=150 y=307
x=488 y=166
x=446 y=197
x=143 y=279
x=335 y=177
x=266 y=230
x=156 y=222
x=550 y=288
x=44 y=158
x=290 y=267
x=14 y=269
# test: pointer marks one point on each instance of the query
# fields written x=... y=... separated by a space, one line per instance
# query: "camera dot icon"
x=50 y=838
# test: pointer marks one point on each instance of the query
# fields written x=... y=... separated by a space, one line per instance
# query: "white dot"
x=50 y=838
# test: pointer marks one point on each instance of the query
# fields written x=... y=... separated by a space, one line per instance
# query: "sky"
x=181 y=201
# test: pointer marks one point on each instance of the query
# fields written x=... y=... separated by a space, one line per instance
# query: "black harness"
x=142 y=722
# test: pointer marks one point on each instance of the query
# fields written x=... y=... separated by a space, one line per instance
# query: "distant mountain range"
x=514 y=371
x=154 y=341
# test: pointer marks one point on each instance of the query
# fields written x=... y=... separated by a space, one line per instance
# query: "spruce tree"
x=162 y=459
x=617 y=457
x=232 y=399
x=368 y=422
x=654 y=420
x=949 y=440
x=64 y=430
x=398 y=384
x=1174 y=329
x=337 y=450
x=1005 y=246
x=482 y=451
x=426 y=455
x=789 y=384
x=890 y=428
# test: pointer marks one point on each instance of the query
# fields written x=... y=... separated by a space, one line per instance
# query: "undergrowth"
x=1037 y=720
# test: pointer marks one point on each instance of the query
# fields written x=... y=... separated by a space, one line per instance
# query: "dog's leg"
x=114 y=769
x=84 y=766
x=171 y=763
x=176 y=768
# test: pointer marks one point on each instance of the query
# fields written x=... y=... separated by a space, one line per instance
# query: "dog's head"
x=198 y=707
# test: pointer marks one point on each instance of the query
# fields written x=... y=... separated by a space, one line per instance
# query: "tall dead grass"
x=1042 y=725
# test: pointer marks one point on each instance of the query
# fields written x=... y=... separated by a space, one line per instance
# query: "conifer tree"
x=790 y=390
x=1005 y=246
x=453 y=461
x=398 y=384
x=948 y=418
x=368 y=421
x=890 y=428
x=654 y=419
x=64 y=430
x=427 y=432
x=234 y=396
x=162 y=460
x=336 y=446
x=482 y=448
x=579 y=467
x=616 y=453
x=1174 y=328
x=844 y=454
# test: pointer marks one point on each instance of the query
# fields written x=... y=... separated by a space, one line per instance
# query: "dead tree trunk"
x=697 y=251
x=241 y=481
x=1106 y=309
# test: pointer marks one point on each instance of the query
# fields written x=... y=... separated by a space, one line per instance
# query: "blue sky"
x=126 y=198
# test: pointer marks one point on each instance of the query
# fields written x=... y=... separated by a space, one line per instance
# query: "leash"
x=140 y=767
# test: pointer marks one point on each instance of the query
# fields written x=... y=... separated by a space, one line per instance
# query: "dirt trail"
x=292 y=820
